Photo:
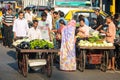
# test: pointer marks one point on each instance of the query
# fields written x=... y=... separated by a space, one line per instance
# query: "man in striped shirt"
x=8 y=19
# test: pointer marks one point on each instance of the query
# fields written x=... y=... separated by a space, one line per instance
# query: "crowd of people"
x=54 y=27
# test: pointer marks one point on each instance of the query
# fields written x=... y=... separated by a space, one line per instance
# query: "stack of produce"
x=95 y=40
x=34 y=44
x=95 y=44
x=17 y=42
x=41 y=44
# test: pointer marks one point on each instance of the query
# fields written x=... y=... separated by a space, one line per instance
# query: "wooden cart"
x=24 y=61
x=83 y=55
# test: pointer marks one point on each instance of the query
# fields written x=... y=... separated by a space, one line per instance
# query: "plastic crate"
x=94 y=58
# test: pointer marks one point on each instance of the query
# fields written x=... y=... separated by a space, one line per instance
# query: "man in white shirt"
x=29 y=16
x=34 y=32
x=20 y=26
x=49 y=18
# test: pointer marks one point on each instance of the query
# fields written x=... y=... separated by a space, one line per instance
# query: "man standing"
x=110 y=36
x=100 y=20
x=29 y=16
x=8 y=20
x=43 y=25
x=34 y=32
x=61 y=14
x=49 y=18
x=20 y=26
x=55 y=18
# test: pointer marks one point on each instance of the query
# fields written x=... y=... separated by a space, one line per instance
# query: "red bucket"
x=94 y=58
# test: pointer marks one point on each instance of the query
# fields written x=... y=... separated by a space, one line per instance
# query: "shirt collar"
x=110 y=23
x=34 y=28
x=20 y=19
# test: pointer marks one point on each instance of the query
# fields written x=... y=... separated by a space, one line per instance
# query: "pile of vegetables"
x=34 y=44
x=96 y=40
x=17 y=42
x=41 y=44
x=95 y=44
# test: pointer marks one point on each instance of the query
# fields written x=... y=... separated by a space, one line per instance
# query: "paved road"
x=8 y=71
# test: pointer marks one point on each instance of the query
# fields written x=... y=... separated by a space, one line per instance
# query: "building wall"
x=34 y=2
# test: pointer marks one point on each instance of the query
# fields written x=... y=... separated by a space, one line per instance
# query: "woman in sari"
x=67 y=51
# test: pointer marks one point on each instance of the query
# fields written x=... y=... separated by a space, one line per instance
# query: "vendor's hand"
x=15 y=39
x=102 y=31
x=8 y=25
x=59 y=53
x=81 y=30
x=89 y=36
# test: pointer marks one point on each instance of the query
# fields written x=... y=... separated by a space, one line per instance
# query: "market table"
x=101 y=58
x=46 y=59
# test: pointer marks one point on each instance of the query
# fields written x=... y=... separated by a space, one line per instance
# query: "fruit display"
x=34 y=44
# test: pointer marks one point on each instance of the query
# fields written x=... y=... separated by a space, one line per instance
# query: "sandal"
x=109 y=68
x=113 y=69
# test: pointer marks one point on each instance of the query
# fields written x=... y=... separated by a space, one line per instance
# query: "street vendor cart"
x=92 y=58
x=46 y=60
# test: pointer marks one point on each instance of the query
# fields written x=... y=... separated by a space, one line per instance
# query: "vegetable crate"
x=94 y=58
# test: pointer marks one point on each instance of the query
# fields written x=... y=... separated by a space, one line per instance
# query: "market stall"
x=93 y=49
x=45 y=59
x=93 y=58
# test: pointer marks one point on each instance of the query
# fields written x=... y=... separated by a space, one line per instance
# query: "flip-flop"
x=109 y=68
x=113 y=69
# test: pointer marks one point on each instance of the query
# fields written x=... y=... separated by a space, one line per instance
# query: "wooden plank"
x=36 y=50
x=37 y=62
x=87 y=47
x=44 y=50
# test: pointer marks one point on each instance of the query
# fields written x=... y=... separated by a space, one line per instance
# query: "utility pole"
x=112 y=7
x=101 y=3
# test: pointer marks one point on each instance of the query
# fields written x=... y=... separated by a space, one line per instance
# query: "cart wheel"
x=25 y=65
x=104 y=61
x=81 y=61
x=49 y=65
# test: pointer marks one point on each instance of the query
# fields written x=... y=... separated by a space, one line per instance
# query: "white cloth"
x=49 y=18
x=20 y=27
x=34 y=33
x=44 y=29
x=28 y=16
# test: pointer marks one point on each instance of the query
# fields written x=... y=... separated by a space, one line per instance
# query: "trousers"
x=8 y=35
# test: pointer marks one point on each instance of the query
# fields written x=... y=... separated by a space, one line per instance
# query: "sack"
x=58 y=36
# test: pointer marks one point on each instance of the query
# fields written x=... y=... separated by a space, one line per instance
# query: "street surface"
x=9 y=71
